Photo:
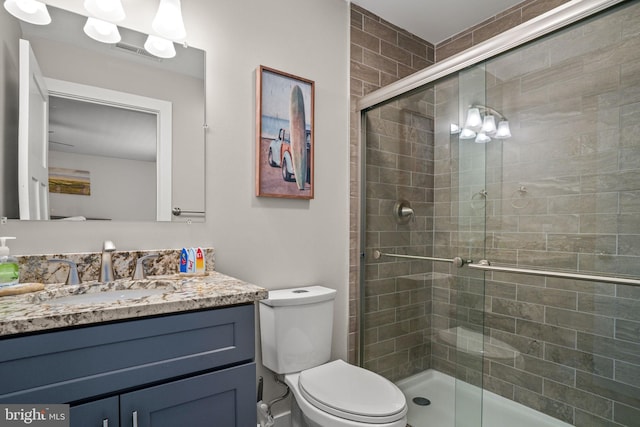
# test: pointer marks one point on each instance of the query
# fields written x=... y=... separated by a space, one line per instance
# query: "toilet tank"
x=296 y=327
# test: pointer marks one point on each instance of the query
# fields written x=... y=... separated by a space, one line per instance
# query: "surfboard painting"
x=285 y=143
x=298 y=138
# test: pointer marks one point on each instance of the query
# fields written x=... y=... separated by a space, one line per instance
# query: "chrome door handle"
x=105 y=422
x=135 y=418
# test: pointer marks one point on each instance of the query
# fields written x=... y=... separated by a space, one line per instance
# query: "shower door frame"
x=556 y=19
x=542 y=25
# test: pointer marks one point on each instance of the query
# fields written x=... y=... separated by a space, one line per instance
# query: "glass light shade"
x=454 y=129
x=31 y=11
x=503 y=131
x=108 y=10
x=162 y=48
x=102 y=31
x=489 y=124
x=168 y=21
x=474 y=121
x=467 y=134
x=482 y=138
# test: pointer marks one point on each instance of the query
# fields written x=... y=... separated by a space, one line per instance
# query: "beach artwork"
x=69 y=181
x=285 y=143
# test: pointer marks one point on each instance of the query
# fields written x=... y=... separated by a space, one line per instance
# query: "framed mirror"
x=125 y=129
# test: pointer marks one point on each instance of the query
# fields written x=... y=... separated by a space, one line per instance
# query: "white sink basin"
x=106 y=296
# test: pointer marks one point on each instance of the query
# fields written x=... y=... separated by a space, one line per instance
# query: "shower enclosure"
x=501 y=226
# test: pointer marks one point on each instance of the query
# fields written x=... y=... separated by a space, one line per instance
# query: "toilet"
x=296 y=329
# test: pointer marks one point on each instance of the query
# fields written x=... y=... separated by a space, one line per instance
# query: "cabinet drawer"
x=69 y=365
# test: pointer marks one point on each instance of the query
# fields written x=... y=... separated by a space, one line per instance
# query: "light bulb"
x=31 y=11
x=168 y=21
x=102 y=31
x=474 y=121
x=503 y=131
x=482 y=138
x=454 y=129
x=489 y=124
x=162 y=48
x=108 y=10
x=467 y=134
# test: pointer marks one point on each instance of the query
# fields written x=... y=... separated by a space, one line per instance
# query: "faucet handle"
x=72 y=277
x=139 y=272
x=108 y=246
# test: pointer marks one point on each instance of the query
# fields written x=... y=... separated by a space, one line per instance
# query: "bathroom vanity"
x=182 y=357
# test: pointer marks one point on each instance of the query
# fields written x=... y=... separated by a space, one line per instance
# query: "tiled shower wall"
x=382 y=53
x=397 y=295
x=562 y=193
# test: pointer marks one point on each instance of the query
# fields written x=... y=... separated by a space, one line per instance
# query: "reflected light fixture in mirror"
x=484 y=128
x=168 y=21
x=503 y=131
x=160 y=47
x=107 y=10
x=102 y=31
x=474 y=121
x=31 y=11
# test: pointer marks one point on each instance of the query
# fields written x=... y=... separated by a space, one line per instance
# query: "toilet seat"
x=352 y=393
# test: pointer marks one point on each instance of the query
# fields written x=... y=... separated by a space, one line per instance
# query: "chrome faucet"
x=106 y=266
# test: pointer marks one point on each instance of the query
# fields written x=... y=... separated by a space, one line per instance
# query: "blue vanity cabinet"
x=194 y=368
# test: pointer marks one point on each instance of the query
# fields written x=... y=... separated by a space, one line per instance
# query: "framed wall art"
x=284 y=134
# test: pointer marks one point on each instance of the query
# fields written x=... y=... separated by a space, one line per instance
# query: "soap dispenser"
x=9 y=269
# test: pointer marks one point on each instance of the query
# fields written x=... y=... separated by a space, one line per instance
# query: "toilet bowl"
x=337 y=394
x=296 y=330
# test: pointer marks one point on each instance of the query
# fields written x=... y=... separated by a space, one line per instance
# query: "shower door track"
x=555 y=19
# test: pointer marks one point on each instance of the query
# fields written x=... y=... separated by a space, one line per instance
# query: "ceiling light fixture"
x=107 y=10
x=168 y=21
x=31 y=11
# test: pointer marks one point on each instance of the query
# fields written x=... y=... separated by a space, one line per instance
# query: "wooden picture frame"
x=284 y=135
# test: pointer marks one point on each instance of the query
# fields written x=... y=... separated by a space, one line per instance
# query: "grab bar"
x=486 y=266
x=457 y=261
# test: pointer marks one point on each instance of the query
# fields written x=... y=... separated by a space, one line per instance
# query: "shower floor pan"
x=439 y=388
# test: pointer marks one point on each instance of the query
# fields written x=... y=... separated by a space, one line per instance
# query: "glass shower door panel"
x=566 y=198
x=470 y=211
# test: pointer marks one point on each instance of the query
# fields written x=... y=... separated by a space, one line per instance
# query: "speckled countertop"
x=38 y=311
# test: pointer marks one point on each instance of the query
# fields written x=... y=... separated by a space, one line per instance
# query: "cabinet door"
x=100 y=413
x=223 y=398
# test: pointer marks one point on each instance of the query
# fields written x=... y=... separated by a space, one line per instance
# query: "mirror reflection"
x=125 y=138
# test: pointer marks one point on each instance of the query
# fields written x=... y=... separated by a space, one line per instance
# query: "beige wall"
x=271 y=242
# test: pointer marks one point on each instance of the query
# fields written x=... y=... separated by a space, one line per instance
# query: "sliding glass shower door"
x=525 y=166
x=420 y=312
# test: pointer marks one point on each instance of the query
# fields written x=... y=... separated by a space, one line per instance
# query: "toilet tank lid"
x=299 y=296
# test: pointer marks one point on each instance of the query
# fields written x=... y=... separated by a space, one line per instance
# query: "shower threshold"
x=439 y=388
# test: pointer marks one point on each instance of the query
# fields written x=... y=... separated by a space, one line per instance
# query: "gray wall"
x=9 y=30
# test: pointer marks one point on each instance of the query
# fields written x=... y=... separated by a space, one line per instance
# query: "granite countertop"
x=34 y=311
